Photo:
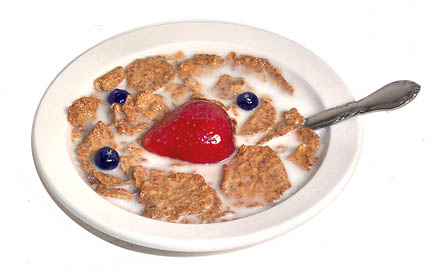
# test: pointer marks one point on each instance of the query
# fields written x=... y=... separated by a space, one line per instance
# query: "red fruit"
x=199 y=132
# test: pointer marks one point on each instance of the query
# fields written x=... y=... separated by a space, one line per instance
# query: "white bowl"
x=53 y=163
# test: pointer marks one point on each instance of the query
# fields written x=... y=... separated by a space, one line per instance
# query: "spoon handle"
x=389 y=97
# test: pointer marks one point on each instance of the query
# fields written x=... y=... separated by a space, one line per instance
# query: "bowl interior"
x=317 y=88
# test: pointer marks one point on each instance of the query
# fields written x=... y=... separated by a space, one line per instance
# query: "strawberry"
x=198 y=132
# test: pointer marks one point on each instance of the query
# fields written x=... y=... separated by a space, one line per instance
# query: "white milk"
x=304 y=99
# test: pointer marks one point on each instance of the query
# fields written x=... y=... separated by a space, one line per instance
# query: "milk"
x=304 y=99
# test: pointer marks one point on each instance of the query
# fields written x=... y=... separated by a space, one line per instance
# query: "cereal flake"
x=110 y=80
x=260 y=65
x=304 y=155
x=83 y=110
x=254 y=177
x=149 y=74
x=178 y=194
x=100 y=136
x=289 y=121
x=229 y=87
x=198 y=64
x=262 y=120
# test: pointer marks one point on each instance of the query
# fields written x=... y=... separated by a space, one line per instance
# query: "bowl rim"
x=339 y=163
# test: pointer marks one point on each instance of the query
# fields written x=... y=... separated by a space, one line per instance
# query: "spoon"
x=389 y=97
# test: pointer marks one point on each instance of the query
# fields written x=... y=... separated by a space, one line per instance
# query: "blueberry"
x=117 y=96
x=247 y=101
x=106 y=158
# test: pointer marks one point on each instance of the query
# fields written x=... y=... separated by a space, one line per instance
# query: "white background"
x=379 y=226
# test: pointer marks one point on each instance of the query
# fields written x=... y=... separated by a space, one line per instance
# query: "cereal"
x=118 y=193
x=149 y=74
x=289 y=121
x=131 y=111
x=179 y=91
x=146 y=104
x=104 y=179
x=304 y=155
x=193 y=85
x=76 y=134
x=261 y=65
x=262 y=120
x=254 y=177
x=281 y=148
x=308 y=136
x=110 y=80
x=234 y=109
x=82 y=111
x=176 y=90
x=126 y=128
x=100 y=136
x=249 y=181
x=198 y=64
x=133 y=149
x=229 y=87
x=174 y=58
x=140 y=175
x=133 y=157
x=151 y=105
x=178 y=194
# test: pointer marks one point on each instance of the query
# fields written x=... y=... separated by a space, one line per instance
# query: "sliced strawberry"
x=198 y=131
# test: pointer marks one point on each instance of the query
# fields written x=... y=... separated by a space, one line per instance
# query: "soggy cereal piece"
x=152 y=106
x=177 y=91
x=130 y=110
x=149 y=74
x=76 y=134
x=170 y=87
x=117 y=113
x=308 y=136
x=198 y=64
x=290 y=120
x=175 y=57
x=134 y=149
x=187 y=220
x=231 y=57
x=234 y=108
x=281 y=148
x=100 y=136
x=127 y=164
x=104 y=179
x=262 y=120
x=110 y=80
x=179 y=164
x=214 y=212
x=260 y=65
x=229 y=87
x=82 y=111
x=200 y=96
x=193 y=85
x=126 y=128
x=133 y=155
x=254 y=177
x=119 y=193
x=178 y=194
x=304 y=156
x=147 y=104
x=140 y=175
x=123 y=126
x=227 y=213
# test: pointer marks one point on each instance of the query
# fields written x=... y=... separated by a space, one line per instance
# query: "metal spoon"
x=389 y=97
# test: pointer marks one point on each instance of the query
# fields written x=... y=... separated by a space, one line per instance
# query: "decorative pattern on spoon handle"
x=389 y=97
